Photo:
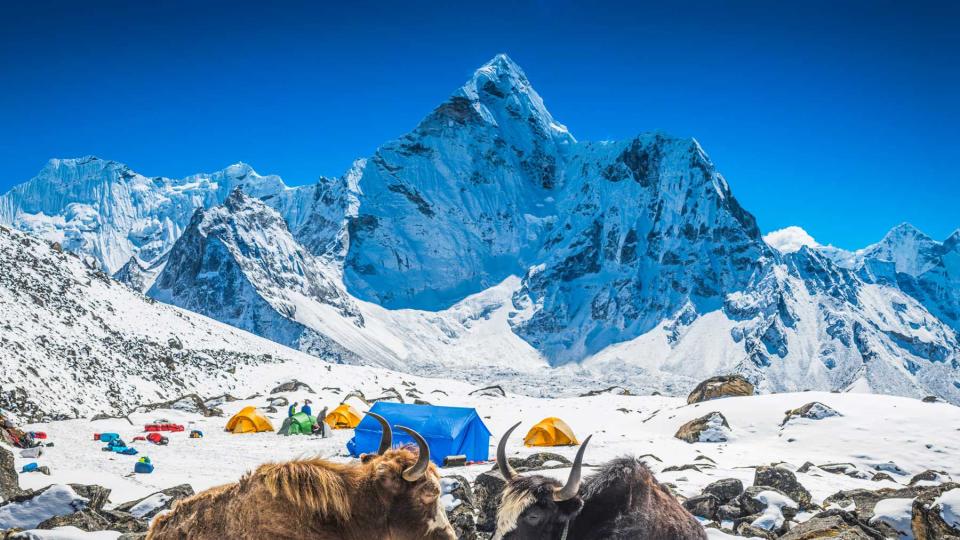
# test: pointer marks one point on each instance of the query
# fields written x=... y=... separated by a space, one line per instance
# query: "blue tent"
x=449 y=431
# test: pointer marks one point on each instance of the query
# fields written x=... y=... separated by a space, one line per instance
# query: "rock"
x=689 y=467
x=187 y=403
x=930 y=476
x=490 y=391
x=880 y=476
x=725 y=490
x=125 y=522
x=784 y=481
x=486 y=490
x=848 y=469
x=161 y=500
x=86 y=520
x=278 y=401
x=729 y=512
x=132 y=536
x=712 y=427
x=750 y=502
x=460 y=506
x=834 y=524
x=292 y=386
x=749 y=531
x=719 y=387
x=613 y=390
x=932 y=509
x=930 y=399
x=9 y=480
x=864 y=500
x=97 y=495
x=537 y=461
x=704 y=505
x=813 y=411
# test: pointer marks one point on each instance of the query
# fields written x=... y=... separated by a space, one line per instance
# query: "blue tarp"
x=449 y=431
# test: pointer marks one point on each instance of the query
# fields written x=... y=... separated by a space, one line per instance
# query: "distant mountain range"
x=490 y=243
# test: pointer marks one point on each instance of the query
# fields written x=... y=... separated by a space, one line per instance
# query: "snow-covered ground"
x=872 y=432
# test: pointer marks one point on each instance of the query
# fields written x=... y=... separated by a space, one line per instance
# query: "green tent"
x=298 y=424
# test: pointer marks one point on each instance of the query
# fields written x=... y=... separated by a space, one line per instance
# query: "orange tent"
x=343 y=417
x=550 y=432
x=249 y=420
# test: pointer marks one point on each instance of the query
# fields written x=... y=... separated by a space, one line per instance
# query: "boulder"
x=936 y=513
x=292 y=386
x=278 y=401
x=746 y=529
x=539 y=461
x=457 y=498
x=812 y=411
x=751 y=501
x=725 y=490
x=864 y=500
x=712 y=427
x=704 y=505
x=125 y=522
x=153 y=504
x=929 y=477
x=784 y=481
x=834 y=524
x=9 y=480
x=486 y=490
x=187 y=403
x=85 y=520
x=719 y=387
x=97 y=496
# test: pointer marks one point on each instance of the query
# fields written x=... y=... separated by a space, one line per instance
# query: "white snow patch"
x=949 y=502
x=772 y=517
x=59 y=500
x=895 y=513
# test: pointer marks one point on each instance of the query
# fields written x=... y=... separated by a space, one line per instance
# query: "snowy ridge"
x=489 y=244
x=104 y=209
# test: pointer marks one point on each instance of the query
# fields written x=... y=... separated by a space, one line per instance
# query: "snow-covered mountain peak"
x=909 y=248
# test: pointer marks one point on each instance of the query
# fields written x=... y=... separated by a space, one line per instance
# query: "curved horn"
x=570 y=490
x=503 y=463
x=386 y=439
x=416 y=472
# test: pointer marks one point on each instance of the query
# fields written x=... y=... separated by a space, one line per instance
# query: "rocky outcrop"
x=812 y=411
x=719 y=387
x=833 y=524
x=936 y=513
x=9 y=479
x=785 y=481
x=712 y=427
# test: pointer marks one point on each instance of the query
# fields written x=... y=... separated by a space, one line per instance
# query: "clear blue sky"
x=839 y=116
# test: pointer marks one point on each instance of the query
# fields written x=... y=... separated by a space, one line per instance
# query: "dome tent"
x=249 y=420
x=550 y=431
x=343 y=417
x=449 y=431
x=298 y=424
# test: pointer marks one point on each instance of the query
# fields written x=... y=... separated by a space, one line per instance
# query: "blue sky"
x=839 y=116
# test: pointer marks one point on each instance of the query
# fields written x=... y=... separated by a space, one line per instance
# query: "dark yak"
x=621 y=501
x=392 y=495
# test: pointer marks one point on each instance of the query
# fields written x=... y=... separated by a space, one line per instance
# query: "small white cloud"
x=789 y=239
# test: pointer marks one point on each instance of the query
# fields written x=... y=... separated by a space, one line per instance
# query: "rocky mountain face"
x=103 y=209
x=489 y=236
x=74 y=342
x=238 y=263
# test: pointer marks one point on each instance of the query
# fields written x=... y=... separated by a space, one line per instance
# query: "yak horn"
x=416 y=472
x=386 y=439
x=503 y=463
x=570 y=490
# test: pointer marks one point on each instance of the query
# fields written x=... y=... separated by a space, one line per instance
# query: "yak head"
x=536 y=507
x=410 y=484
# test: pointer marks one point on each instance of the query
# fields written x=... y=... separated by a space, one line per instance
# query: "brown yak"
x=392 y=495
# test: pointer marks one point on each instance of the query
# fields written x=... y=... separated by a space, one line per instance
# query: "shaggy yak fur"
x=622 y=501
x=316 y=499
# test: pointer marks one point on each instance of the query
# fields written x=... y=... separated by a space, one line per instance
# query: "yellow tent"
x=550 y=432
x=249 y=420
x=343 y=417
